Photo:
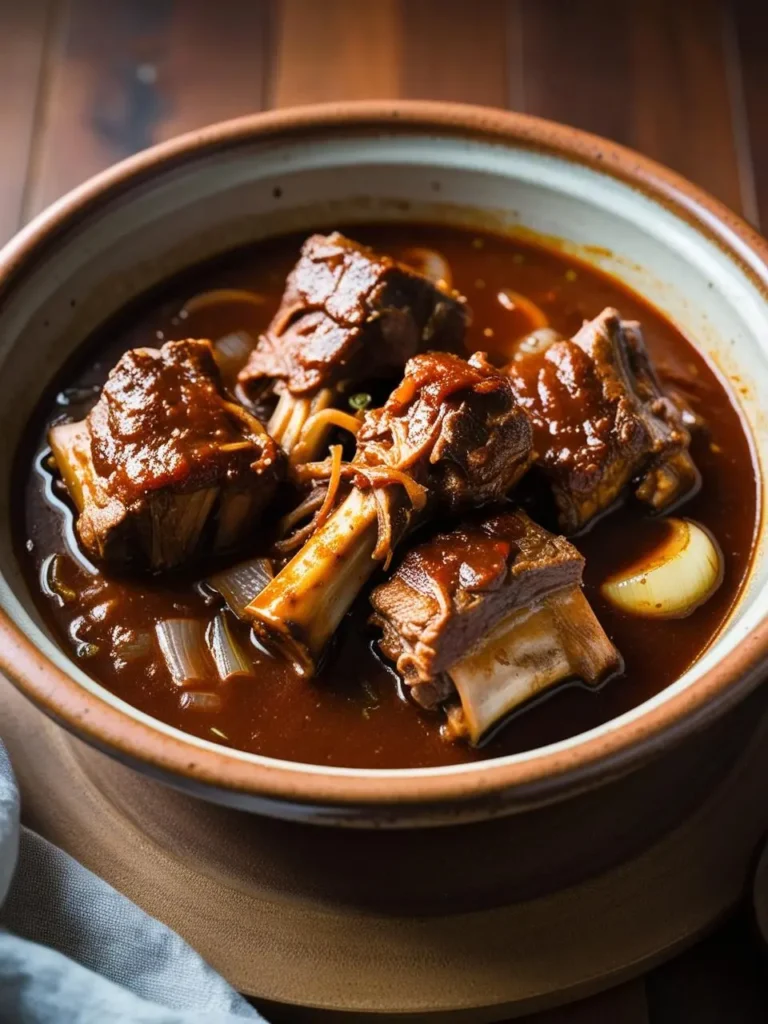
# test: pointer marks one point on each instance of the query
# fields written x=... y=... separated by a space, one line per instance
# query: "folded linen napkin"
x=73 y=950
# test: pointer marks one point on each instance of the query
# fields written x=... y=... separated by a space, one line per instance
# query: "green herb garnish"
x=360 y=401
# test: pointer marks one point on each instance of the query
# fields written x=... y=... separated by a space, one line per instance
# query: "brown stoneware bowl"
x=200 y=195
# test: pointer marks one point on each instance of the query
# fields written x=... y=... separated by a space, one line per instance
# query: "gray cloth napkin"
x=74 y=951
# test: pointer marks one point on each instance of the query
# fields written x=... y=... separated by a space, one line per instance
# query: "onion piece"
x=231 y=352
x=131 y=644
x=515 y=302
x=241 y=583
x=535 y=342
x=227 y=654
x=200 y=700
x=51 y=582
x=431 y=264
x=674 y=579
x=182 y=644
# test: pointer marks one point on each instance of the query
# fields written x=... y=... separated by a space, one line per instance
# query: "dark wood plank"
x=435 y=49
x=454 y=50
x=647 y=73
x=22 y=39
x=682 y=100
x=133 y=72
x=575 y=64
x=749 y=24
x=338 y=49
x=216 y=62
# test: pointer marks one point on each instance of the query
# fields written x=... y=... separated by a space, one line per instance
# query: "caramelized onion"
x=308 y=507
x=674 y=579
x=431 y=264
x=52 y=583
x=130 y=644
x=200 y=700
x=333 y=487
x=515 y=302
x=182 y=644
x=239 y=584
x=231 y=352
x=228 y=656
x=315 y=429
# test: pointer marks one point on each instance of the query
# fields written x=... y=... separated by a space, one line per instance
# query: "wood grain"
x=454 y=50
x=338 y=49
x=749 y=59
x=647 y=73
x=214 y=68
x=435 y=49
x=130 y=73
x=22 y=40
x=576 y=76
x=681 y=101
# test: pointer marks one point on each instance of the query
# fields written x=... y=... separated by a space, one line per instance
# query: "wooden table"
x=86 y=82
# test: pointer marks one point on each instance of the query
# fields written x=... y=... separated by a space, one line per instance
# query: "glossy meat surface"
x=601 y=420
x=450 y=436
x=451 y=590
x=350 y=313
x=456 y=426
x=162 y=452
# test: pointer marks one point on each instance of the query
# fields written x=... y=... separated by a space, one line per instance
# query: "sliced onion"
x=227 y=654
x=182 y=643
x=515 y=302
x=51 y=582
x=431 y=264
x=674 y=579
x=130 y=644
x=242 y=582
x=201 y=700
x=535 y=342
x=232 y=351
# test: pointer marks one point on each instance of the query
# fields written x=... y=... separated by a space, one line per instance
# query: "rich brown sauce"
x=353 y=713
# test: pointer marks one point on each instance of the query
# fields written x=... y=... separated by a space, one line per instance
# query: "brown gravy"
x=354 y=713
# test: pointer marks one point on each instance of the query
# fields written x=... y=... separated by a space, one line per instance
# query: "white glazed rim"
x=538 y=774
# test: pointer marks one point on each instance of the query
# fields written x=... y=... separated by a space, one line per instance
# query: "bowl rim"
x=489 y=787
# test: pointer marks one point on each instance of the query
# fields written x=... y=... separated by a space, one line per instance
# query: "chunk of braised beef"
x=451 y=590
x=602 y=420
x=456 y=425
x=485 y=617
x=349 y=313
x=451 y=436
x=166 y=460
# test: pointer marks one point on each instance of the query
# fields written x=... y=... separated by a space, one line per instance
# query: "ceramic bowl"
x=194 y=197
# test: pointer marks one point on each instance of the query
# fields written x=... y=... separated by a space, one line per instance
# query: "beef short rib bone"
x=530 y=651
x=492 y=610
x=164 y=460
x=347 y=315
x=451 y=436
x=601 y=420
